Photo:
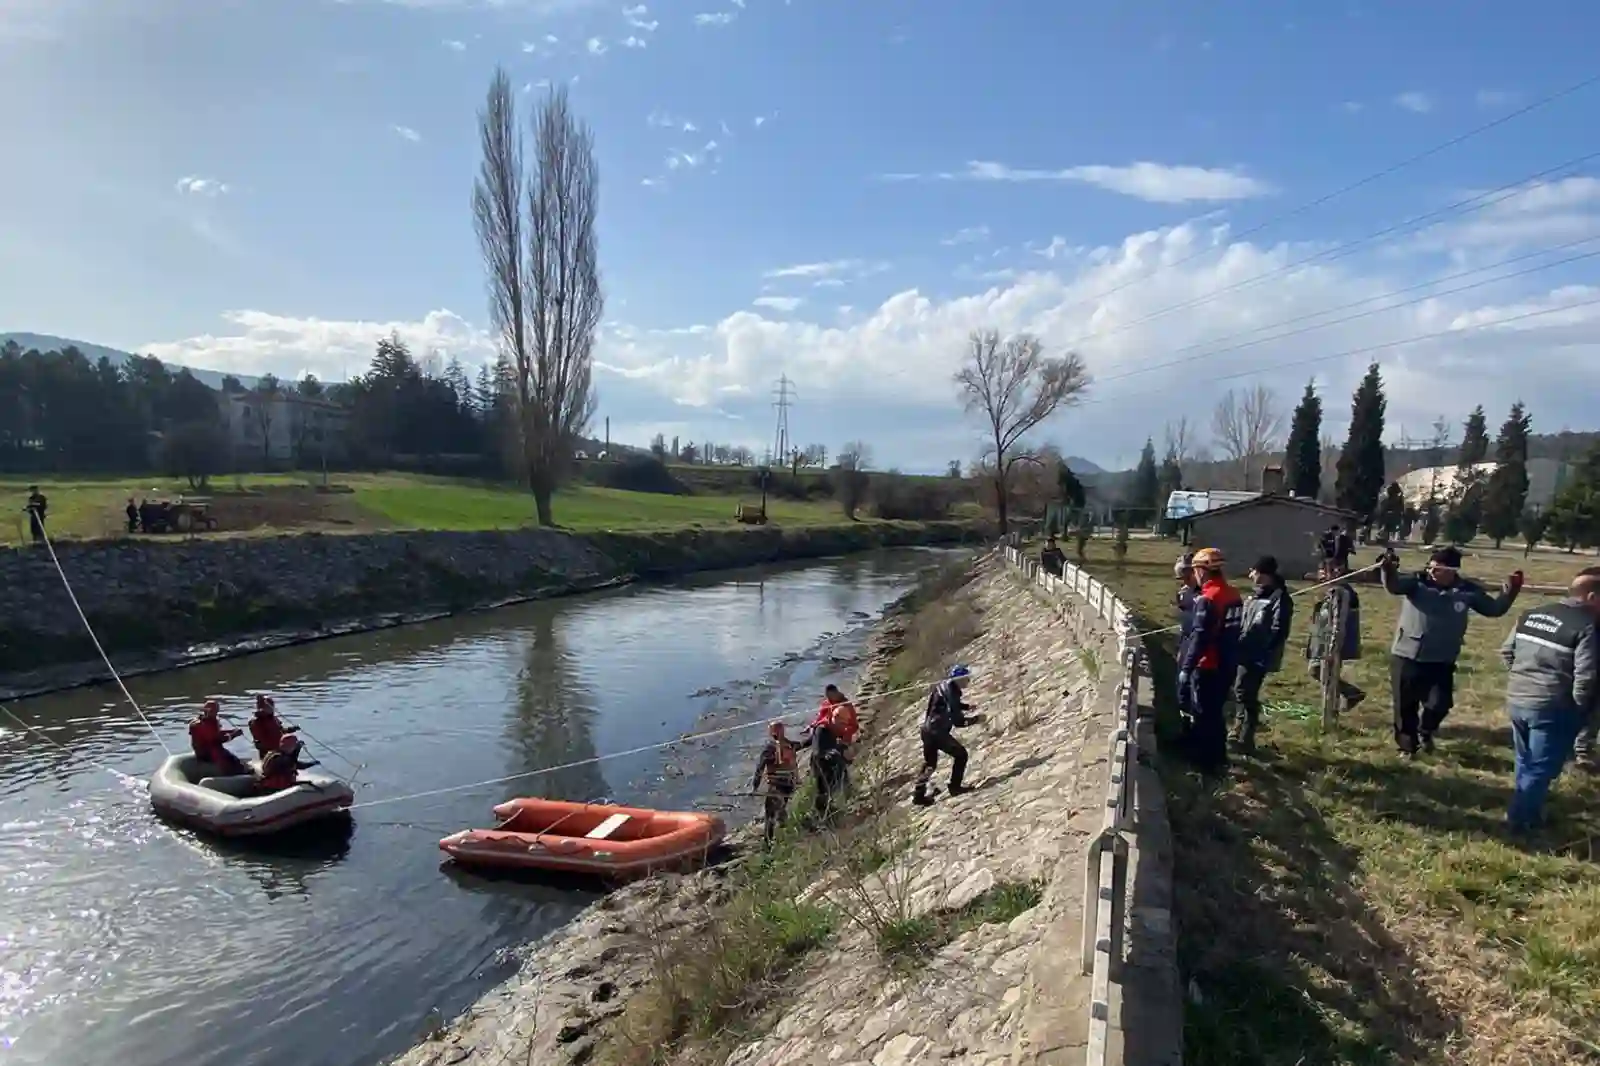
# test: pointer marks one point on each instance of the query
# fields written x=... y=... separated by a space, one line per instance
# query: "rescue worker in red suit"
x=1208 y=660
x=281 y=769
x=267 y=730
x=780 y=767
x=209 y=741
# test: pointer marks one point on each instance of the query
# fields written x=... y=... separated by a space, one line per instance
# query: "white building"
x=1545 y=478
x=282 y=428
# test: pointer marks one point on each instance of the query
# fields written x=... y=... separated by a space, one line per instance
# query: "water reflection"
x=553 y=723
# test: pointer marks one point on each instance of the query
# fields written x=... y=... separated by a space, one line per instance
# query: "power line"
x=1339 y=251
x=1371 y=348
x=1375 y=311
x=1353 y=186
x=785 y=396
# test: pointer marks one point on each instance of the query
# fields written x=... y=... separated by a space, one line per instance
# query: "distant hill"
x=95 y=352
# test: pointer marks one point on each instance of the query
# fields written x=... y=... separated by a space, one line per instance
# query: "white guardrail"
x=1105 y=883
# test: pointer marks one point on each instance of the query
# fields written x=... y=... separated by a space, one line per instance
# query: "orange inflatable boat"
x=587 y=838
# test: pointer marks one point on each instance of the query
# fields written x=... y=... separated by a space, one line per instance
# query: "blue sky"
x=840 y=191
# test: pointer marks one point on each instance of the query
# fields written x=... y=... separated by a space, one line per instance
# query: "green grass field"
x=1338 y=904
x=263 y=504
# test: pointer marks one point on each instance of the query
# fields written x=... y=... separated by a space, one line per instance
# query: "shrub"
x=641 y=473
x=897 y=497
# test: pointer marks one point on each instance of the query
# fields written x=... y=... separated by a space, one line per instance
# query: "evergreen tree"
x=1361 y=478
x=1507 y=492
x=1145 y=482
x=1302 y=459
x=1464 y=510
x=1574 y=517
x=1070 y=487
x=1169 y=480
x=1392 y=511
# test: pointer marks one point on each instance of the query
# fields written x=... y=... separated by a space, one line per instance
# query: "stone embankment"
x=163 y=604
x=992 y=993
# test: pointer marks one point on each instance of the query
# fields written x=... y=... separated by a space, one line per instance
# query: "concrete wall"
x=1286 y=530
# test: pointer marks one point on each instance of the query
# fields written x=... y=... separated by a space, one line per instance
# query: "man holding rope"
x=1428 y=638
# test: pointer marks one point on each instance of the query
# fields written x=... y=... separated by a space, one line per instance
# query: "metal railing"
x=1104 y=883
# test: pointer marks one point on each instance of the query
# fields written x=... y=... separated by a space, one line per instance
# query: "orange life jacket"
x=278 y=772
x=205 y=737
x=782 y=769
x=267 y=732
x=845 y=722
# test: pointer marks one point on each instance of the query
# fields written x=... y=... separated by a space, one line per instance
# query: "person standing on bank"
x=1319 y=639
x=1183 y=602
x=779 y=766
x=945 y=712
x=1554 y=658
x=1264 y=633
x=1428 y=637
x=38 y=506
x=1208 y=661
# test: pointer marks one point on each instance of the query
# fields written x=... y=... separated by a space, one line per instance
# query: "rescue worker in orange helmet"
x=841 y=715
x=209 y=741
x=1208 y=660
x=281 y=769
x=266 y=730
x=780 y=767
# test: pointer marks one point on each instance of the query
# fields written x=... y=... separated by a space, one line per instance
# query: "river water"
x=125 y=942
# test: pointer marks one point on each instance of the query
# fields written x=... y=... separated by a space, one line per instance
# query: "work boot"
x=1353 y=701
x=919 y=795
x=1427 y=743
x=1407 y=745
x=956 y=790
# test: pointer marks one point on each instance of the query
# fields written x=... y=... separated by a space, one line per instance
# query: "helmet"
x=775 y=729
x=289 y=744
x=959 y=671
x=1208 y=558
x=211 y=706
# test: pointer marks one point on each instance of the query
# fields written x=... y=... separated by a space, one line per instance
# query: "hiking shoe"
x=1351 y=703
x=956 y=790
x=1407 y=745
x=1427 y=743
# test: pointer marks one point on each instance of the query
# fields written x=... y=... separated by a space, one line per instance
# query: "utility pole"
x=608 y=436
x=785 y=396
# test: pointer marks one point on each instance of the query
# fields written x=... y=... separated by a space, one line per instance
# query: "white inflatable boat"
x=187 y=790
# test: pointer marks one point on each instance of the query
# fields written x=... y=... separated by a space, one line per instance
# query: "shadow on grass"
x=1290 y=963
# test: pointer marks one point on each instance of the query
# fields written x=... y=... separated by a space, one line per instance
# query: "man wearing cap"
x=1264 y=633
x=1208 y=660
x=1553 y=655
x=1428 y=637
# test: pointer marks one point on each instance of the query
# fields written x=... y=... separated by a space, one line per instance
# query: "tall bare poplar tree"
x=545 y=300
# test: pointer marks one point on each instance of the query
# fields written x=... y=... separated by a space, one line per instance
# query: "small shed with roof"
x=1288 y=527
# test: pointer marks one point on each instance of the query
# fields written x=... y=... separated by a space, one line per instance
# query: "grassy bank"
x=268 y=504
x=1340 y=905
x=723 y=980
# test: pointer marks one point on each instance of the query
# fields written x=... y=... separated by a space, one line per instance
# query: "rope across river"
x=541 y=771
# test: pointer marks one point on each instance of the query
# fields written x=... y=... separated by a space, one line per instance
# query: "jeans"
x=1543 y=738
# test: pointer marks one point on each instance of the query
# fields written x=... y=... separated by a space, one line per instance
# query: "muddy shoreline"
x=570 y=983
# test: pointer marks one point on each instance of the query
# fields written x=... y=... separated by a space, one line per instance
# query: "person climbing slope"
x=779 y=766
x=945 y=712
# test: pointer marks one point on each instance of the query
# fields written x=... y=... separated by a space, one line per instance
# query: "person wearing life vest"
x=779 y=767
x=841 y=715
x=1183 y=602
x=945 y=711
x=1208 y=660
x=209 y=741
x=281 y=769
x=828 y=767
x=267 y=731
x=1428 y=638
x=1553 y=656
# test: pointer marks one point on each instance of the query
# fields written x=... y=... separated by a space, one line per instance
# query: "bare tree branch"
x=1178 y=441
x=1013 y=386
x=1246 y=427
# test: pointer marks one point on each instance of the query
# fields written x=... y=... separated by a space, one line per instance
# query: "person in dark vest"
x=38 y=506
x=133 y=516
x=281 y=769
x=1208 y=661
x=1052 y=559
x=1553 y=656
x=1263 y=635
x=1319 y=639
x=1428 y=638
x=1183 y=602
x=778 y=766
x=944 y=712
x=827 y=765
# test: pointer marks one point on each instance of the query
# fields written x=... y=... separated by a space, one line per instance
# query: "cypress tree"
x=1360 y=479
x=1464 y=513
x=1507 y=492
x=1145 y=485
x=1392 y=511
x=1474 y=440
x=1302 y=455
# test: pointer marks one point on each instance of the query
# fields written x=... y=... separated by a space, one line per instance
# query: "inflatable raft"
x=186 y=790
x=618 y=843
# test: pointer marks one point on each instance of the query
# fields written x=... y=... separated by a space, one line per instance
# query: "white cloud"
x=1156 y=182
x=197 y=186
x=969 y=235
x=1418 y=103
x=595 y=46
x=638 y=17
x=760 y=120
x=666 y=121
x=890 y=364
x=778 y=303
x=1541 y=214
x=632 y=42
x=408 y=133
x=456 y=46
x=719 y=18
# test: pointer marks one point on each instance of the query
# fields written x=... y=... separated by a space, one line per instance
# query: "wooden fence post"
x=1332 y=655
